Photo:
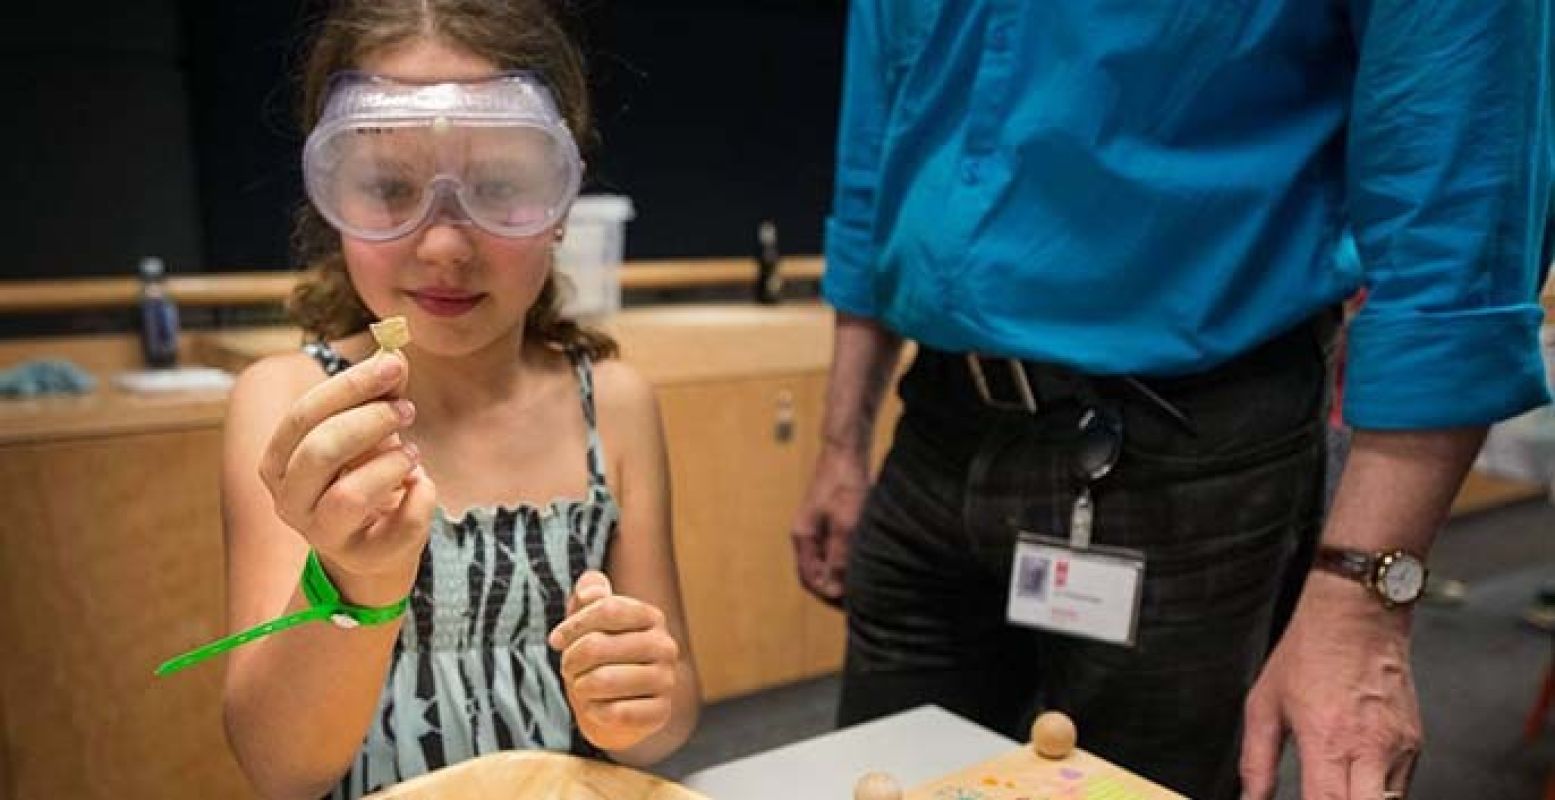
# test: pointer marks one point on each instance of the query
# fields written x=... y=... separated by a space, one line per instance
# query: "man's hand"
x=864 y=357
x=618 y=664
x=1340 y=681
x=823 y=528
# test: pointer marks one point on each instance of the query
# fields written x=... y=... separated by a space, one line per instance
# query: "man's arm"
x=864 y=352
x=1448 y=187
x=1340 y=679
x=863 y=360
x=864 y=357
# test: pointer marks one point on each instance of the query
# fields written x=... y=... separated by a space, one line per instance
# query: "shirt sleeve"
x=1448 y=183
x=848 y=282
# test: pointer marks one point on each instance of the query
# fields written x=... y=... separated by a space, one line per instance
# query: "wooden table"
x=930 y=752
x=530 y=775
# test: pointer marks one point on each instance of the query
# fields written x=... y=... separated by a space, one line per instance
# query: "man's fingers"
x=809 y=561
x=819 y=556
x=376 y=377
x=1369 y=776
x=836 y=567
x=1325 y=772
x=613 y=614
x=1262 y=739
x=1401 y=774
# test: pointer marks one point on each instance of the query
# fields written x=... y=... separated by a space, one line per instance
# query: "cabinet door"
x=109 y=563
x=740 y=456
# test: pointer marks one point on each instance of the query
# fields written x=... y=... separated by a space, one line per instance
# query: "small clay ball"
x=1053 y=735
x=877 y=786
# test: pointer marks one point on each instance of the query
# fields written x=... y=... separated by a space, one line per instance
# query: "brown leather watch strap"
x=1352 y=564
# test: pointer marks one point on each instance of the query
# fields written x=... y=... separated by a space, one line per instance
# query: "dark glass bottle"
x=158 y=316
x=769 y=278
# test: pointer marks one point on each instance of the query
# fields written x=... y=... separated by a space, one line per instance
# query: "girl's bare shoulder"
x=622 y=394
x=282 y=377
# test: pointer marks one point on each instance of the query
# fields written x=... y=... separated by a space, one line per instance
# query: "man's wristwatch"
x=1396 y=577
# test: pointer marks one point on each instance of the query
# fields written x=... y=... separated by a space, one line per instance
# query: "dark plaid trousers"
x=1227 y=514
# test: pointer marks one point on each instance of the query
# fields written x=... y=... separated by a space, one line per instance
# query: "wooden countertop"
x=108 y=410
x=246 y=288
x=670 y=344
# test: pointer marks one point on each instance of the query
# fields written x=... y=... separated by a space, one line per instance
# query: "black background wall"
x=168 y=127
x=96 y=165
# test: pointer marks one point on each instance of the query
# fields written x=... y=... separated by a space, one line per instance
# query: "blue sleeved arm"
x=1448 y=189
x=848 y=283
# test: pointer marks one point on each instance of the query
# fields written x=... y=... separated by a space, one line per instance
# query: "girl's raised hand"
x=339 y=475
x=618 y=663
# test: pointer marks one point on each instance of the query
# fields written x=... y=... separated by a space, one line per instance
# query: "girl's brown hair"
x=513 y=35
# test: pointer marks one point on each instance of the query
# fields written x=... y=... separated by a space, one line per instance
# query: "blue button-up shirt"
x=1151 y=188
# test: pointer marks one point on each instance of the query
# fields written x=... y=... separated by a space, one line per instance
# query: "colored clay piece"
x=959 y=793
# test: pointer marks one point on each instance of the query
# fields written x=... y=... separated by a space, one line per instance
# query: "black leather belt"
x=1016 y=385
x=1032 y=384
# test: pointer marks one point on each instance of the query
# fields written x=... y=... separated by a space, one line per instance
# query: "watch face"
x=1402 y=579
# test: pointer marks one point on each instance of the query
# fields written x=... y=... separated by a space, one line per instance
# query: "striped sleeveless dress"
x=471 y=672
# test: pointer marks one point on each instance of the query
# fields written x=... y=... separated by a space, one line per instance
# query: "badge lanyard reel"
x=1072 y=586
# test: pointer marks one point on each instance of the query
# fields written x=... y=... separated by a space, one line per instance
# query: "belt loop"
x=1028 y=400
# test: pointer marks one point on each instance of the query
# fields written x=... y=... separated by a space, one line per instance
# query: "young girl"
x=495 y=471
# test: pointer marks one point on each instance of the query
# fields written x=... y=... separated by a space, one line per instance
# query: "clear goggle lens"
x=388 y=158
x=384 y=182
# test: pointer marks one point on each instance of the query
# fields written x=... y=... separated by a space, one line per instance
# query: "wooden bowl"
x=536 y=775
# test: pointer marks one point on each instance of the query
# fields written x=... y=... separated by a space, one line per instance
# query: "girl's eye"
x=390 y=191
x=497 y=190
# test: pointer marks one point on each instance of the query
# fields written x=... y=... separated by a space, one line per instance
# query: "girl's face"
x=462 y=288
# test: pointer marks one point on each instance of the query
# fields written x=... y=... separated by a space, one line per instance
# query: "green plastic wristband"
x=323 y=604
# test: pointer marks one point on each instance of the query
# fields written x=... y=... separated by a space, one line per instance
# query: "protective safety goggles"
x=387 y=156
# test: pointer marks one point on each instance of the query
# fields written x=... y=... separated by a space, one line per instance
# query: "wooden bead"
x=1053 y=735
x=877 y=786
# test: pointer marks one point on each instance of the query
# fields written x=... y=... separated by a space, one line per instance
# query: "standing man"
x=1109 y=227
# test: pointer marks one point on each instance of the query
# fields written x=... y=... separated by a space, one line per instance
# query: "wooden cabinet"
x=111 y=563
x=741 y=452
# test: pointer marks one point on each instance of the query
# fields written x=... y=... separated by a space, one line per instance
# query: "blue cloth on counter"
x=45 y=376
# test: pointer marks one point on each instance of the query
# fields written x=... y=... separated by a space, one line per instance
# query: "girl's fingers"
x=594 y=650
x=640 y=713
x=592 y=586
x=623 y=682
x=362 y=494
x=323 y=455
x=613 y=614
x=374 y=378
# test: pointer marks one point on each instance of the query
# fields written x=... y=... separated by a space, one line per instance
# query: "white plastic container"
x=589 y=257
x=1523 y=447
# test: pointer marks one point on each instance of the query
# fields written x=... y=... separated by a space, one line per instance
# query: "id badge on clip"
x=1092 y=593
x=1072 y=587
